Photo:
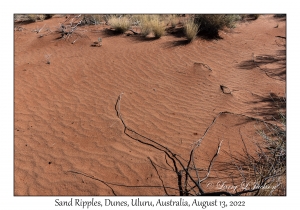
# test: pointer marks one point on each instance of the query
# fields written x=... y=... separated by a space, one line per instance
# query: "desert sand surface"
x=68 y=138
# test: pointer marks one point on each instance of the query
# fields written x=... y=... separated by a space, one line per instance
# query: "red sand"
x=65 y=117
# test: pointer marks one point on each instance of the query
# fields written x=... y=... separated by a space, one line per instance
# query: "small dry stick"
x=39 y=30
x=211 y=162
x=75 y=40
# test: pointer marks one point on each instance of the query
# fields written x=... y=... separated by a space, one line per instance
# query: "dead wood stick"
x=162 y=182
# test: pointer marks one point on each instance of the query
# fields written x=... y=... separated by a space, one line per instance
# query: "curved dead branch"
x=187 y=184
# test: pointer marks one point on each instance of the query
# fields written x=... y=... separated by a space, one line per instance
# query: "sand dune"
x=65 y=117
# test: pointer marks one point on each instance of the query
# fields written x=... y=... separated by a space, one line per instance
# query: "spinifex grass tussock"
x=254 y=16
x=120 y=24
x=249 y=16
x=190 y=30
x=152 y=24
x=158 y=27
x=173 y=20
x=210 y=24
x=145 y=22
x=33 y=17
x=93 y=19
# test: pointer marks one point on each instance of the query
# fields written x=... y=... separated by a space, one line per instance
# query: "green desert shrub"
x=210 y=24
x=190 y=30
x=120 y=24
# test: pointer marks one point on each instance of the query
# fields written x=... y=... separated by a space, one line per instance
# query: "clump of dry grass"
x=263 y=169
x=190 y=30
x=172 y=20
x=271 y=165
x=249 y=16
x=145 y=22
x=210 y=24
x=120 y=24
x=272 y=152
x=267 y=166
x=93 y=19
x=254 y=16
x=37 y=17
x=152 y=24
x=158 y=28
x=32 y=17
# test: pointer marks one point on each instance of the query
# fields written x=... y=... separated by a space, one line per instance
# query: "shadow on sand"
x=262 y=62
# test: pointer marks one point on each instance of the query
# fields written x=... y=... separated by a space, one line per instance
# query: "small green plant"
x=120 y=24
x=190 y=30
